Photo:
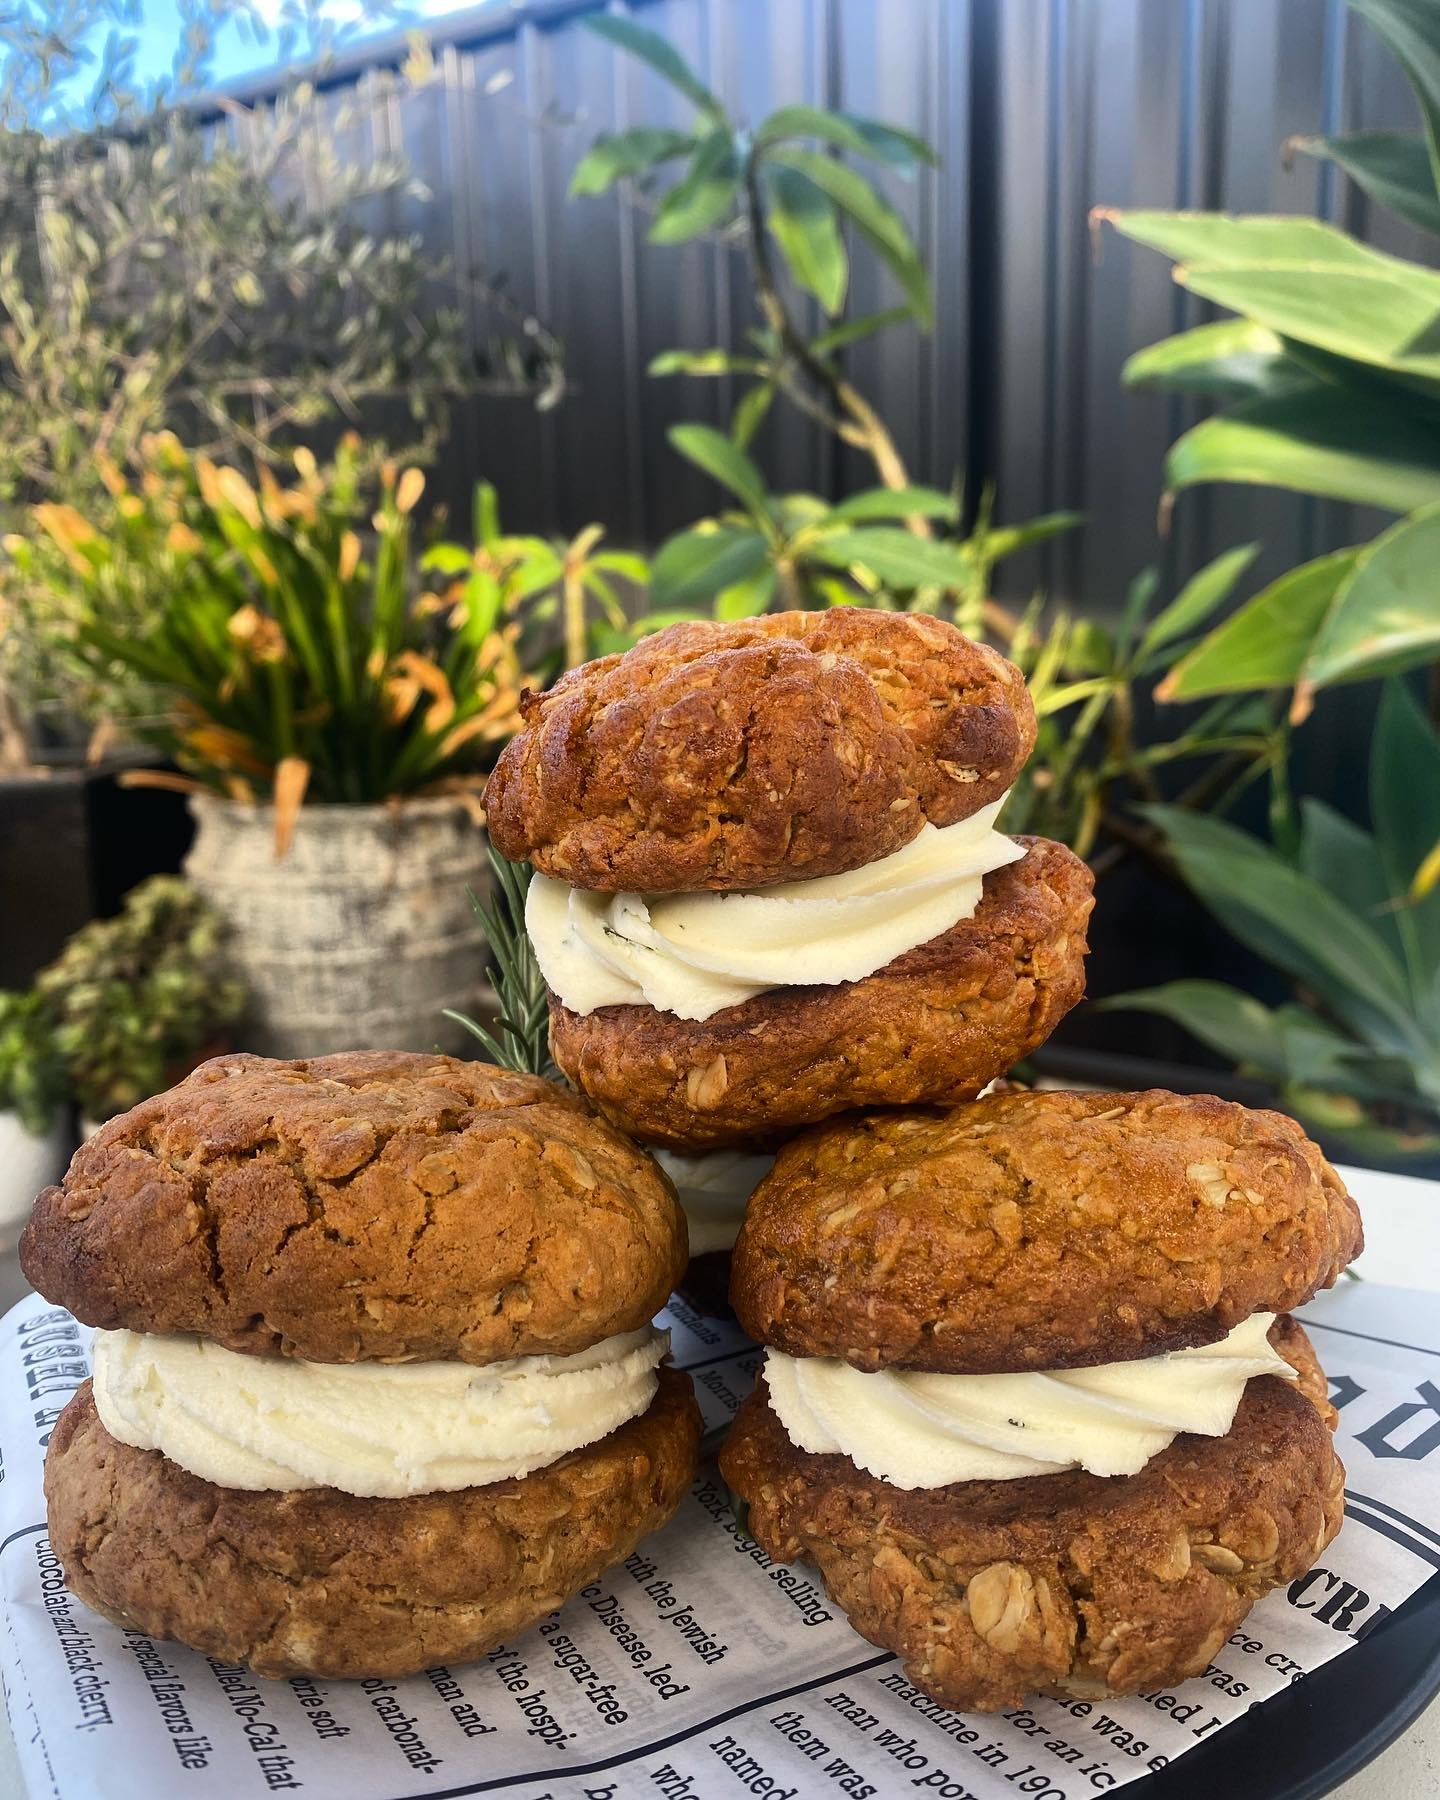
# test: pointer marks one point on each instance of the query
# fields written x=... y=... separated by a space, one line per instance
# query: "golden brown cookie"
x=1037 y=1231
x=376 y=1206
x=938 y=1023
x=316 y=1582
x=772 y=749
x=1068 y=1584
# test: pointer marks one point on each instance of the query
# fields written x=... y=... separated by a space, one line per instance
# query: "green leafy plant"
x=159 y=275
x=563 y=600
x=251 y=636
x=777 y=188
x=136 y=999
x=798 y=550
x=1357 y=1053
x=1329 y=383
x=32 y=1074
x=520 y=1039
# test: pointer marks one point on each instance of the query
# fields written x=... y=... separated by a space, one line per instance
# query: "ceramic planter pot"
x=27 y=1163
x=360 y=935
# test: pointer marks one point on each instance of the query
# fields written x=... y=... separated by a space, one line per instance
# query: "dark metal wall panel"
x=1041 y=110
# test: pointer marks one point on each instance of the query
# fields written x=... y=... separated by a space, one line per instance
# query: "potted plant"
x=34 y=1134
x=134 y=1002
x=269 y=641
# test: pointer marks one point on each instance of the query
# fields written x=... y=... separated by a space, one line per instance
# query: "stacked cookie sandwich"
x=375 y=1380
x=770 y=887
x=1032 y=1403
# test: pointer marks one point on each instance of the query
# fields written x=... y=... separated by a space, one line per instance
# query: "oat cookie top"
x=722 y=756
x=1037 y=1231
x=375 y=1206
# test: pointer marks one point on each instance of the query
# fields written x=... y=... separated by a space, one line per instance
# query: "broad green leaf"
x=1234 y=358
x=1294 y=922
x=1386 y=316
x=1405 y=814
x=704 y=195
x=1321 y=440
x=806 y=227
x=626 y=153
x=851 y=332
x=1344 y=859
x=1347 y=1121
x=697 y=565
x=1202 y=593
x=1393 y=167
x=847 y=132
x=1387 y=616
x=659 y=53
x=1264 y=644
x=716 y=361
x=749 y=413
x=623 y=562
x=744 y=599
x=897 y=503
x=1411 y=28
x=724 y=462
x=894 y=556
x=1223 y=240
x=1225 y=1019
x=874 y=217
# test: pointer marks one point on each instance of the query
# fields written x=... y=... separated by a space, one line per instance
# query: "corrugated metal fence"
x=1040 y=110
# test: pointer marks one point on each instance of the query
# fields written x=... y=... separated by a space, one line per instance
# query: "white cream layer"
x=694 y=954
x=924 y=1431
x=381 y=1430
x=713 y=1192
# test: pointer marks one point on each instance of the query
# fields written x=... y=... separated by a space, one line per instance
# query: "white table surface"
x=1402 y=1228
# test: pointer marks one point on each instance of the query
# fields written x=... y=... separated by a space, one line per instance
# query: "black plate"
x=1304 y=1742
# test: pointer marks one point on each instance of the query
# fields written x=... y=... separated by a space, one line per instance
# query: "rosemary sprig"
x=521 y=1037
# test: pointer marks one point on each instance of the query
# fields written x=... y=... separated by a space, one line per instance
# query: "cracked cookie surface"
x=318 y=1582
x=1068 y=1584
x=938 y=1023
x=728 y=756
x=1037 y=1231
x=375 y=1206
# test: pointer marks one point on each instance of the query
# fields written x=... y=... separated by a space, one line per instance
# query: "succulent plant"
x=32 y=1075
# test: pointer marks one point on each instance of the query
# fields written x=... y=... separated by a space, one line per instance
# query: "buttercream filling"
x=379 y=1430
x=917 y=1430
x=713 y=1192
x=695 y=954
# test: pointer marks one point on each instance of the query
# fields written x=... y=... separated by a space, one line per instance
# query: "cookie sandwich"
x=770 y=885
x=375 y=1380
x=1032 y=1402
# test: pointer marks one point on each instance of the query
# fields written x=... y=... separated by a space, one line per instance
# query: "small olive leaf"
x=627 y=153
x=750 y=411
x=724 y=462
x=1264 y=644
x=704 y=195
x=696 y=565
x=806 y=227
x=1315 y=440
x=847 y=131
x=1206 y=590
x=1234 y=359
x=1222 y=1017
x=1386 y=617
x=716 y=361
x=875 y=219
x=659 y=53
x=1392 y=167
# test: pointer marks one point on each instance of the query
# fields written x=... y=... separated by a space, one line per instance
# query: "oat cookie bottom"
x=1065 y=1584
